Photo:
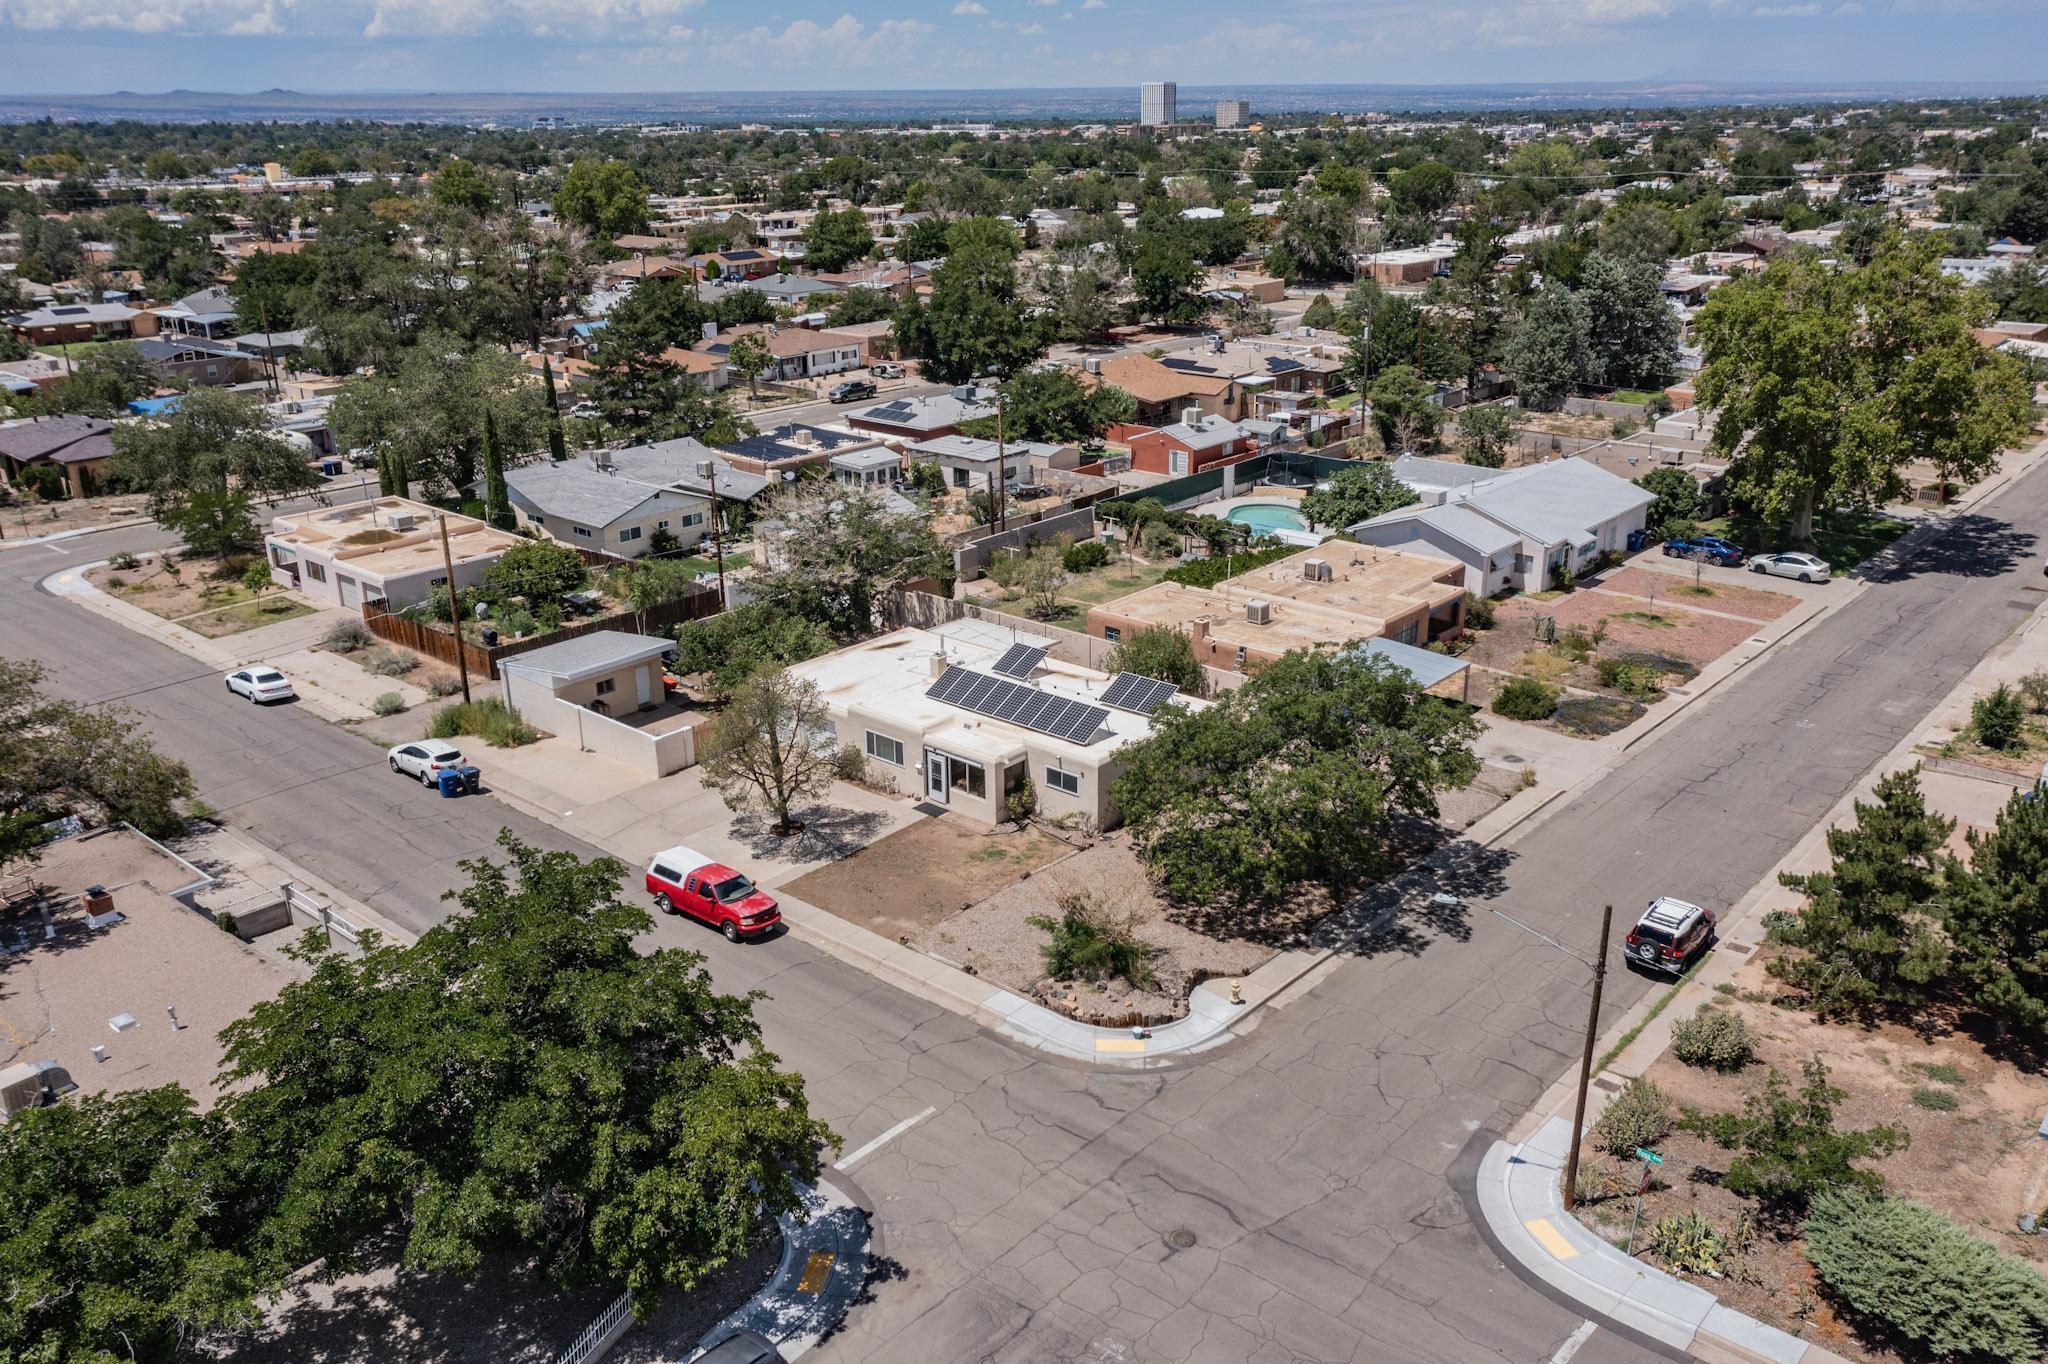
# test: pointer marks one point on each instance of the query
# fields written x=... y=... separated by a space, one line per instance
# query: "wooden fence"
x=438 y=643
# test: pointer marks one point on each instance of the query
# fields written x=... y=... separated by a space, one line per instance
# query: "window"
x=662 y=524
x=884 y=748
x=1240 y=656
x=962 y=775
x=607 y=685
x=582 y=532
x=1406 y=634
x=629 y=535
x=1069 y=782
x=664 y=873
x=1110 y=634
x=536 y=518
x=692 y=519
x=317 y=572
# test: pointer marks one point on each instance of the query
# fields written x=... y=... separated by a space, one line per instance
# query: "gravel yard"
x=1676 y=588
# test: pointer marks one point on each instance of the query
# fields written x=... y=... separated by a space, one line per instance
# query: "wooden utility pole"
x=462 y=654
x=1571 y=1169
x=1002 y=474
x=718 y=535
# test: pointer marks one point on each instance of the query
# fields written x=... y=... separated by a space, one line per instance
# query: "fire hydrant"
x=1236 y=992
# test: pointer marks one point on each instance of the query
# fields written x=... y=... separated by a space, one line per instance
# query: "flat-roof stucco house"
x=387 y=550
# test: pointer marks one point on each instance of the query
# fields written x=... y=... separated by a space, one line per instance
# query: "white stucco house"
x=1511 y=528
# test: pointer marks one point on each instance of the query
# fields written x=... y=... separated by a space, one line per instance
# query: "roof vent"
x=402 y=520
x=1258 y=612
x=601 y=459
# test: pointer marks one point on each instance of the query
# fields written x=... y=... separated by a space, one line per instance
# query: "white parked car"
x=426 y=759
x=260 y=683
x=1807 y=568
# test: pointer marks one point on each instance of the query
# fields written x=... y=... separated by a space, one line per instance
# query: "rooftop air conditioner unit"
x=21 y=1088
x=705 y=469
x=1191 y=416
x=402 y=520
x=601 y=459
x=710 y=331
x=1316 y=570
x=1092 y=365
x=1258 y=612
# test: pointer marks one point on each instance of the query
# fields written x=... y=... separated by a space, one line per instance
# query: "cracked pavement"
x=1287 y=1197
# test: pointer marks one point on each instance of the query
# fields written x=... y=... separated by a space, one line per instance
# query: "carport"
x=1432 y=672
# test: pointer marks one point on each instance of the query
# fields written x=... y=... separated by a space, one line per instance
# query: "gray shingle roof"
x=599 y=651
x=1467 y=527
x=576 y=491
x=64 y=439
x=1557 y=501
x=674 y=464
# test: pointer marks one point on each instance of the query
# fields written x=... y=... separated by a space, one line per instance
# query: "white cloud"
x=544 y=18
x=1094 y=4
x=146 y=16
x=1031 y=28
x=844 y=43
x=1786 y=11
x=970 y=7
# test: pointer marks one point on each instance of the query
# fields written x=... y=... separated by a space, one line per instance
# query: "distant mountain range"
x=1077 y=104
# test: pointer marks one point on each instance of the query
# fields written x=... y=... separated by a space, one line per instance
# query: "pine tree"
x=497 y=501
x=1866 y=932
x=1996 y=913
x=557 y=449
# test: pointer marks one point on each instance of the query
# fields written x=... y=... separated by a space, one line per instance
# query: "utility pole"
x=1571 y=1170
x=269 y=350
x=462 y=654
x=718 y=534
x=1002 y=474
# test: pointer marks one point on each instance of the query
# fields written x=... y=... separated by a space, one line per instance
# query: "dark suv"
x=1670 y=936
x=852 y=391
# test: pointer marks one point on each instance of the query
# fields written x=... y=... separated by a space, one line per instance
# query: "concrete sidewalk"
x=1520 y=1197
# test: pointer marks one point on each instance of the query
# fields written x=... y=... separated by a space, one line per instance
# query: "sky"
x=97 y=46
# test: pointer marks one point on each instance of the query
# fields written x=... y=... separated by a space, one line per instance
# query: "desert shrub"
x=1084 y=555
x=1089 y=943
x=1526 y=699
x=1478 y=613
x=1632 y=677
x=1638 y=1116
x=1214 y=569
x=849 y=763
x=490 y=719
x=1020 y=804
x=1576 y=645
x=1999 y=717
x=347 y=636
x=1562 y=579
x=1942 y=1071
x=1935 y=1100
x=1926 y=1278
x=389 y=703
x=518 y=622
x=442 y=684
x=1159 y=541
x=386 y=661
x=128 y=562
x=116 y=583
x=1713 y=1039
x=1596 y=715
x=2034 y=687
x=1688 y=1243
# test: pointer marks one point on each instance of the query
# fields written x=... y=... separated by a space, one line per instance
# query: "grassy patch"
x=1653 y=619
x=735 y=561
x=490 y=719
x=1545 y=666
x=1942 y=1071
x=1637 y=396
x=247 y=615
x=1621 y=1044
x=1844 y=538
x=1118 y=578
x=1695 y=590
x=1936 y=1100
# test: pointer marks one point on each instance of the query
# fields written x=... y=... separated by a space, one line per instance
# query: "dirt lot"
x=27 y=518
x=1980 y=1163
x=1677 y=588
x=189 y=594
x=2022 y=759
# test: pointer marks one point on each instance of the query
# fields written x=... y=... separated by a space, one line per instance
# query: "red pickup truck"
x=686 y=882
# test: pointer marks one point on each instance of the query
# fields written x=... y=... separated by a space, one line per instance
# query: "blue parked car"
x=1712 y=548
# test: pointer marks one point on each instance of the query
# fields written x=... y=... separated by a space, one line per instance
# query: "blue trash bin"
x=450 y=781
x=1637 y=539
x=472 y=779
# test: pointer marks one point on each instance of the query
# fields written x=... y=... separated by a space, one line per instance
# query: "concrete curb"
x=823 y=1270
x=1521 y=1202
x=54 y=536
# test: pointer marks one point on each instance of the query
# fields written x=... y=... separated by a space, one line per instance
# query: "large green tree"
x=1995 y=912
x=976 y=322
x=1826 y=383
x=1548 y=352
x=525 y=1078
x=203 y=463
x=1160 y=652
x=831 y=551
x=606 y=198
x=1054 y=405
x=1631 y=332
x=1164 y=274
x=836 y=238
x=1357 y=493
x=430 y=408
x=1293 y=779
x=1402 y=410
x=732 y=646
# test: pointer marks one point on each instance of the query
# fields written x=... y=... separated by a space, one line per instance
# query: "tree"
x=459 y=185
x=1320 y=313
x=1164 y=275
x=595 y=1106
x=1080 y=291
x=202 y=463
x=639 y=389
x=1402 y=412
x=1425 y=189
x=1678 y=503
x=1928 y=1280
x=859 y=304
x=1790 y=1148
x=1160 y=652
x=1475 y=314
x=557 y=448
x=729 y=648
x=1484 y=432
x=975 y=322
x=1317 y=235
x=830 y=550
x=1631 y=332
x=429 y=407
x=1036 y=575
x=836 y=239
x=1866 y=933
x=539 y=570
x=1356 y=493
x=1548 y=352
x=272 y=218
x=497 y=498
x=119 y=1230
x=59 y=758
x=1292 y=779
x=103 y=382
x=1054 y=406
x=1826 y=383
x=749 y=355
x=1995 y=912
x=768 y=749
x=606 y=198
x=165 y=164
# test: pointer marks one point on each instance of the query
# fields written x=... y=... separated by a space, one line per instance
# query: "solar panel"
x=1020 y=660
x=1137 y=693
x=1002 y=699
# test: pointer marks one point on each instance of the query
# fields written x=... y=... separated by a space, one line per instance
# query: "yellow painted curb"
x=1128 y=1044
x=1552 y=1239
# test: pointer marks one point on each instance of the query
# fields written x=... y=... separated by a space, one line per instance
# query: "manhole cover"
x=1180 y=1238
x=1740 y=949
x=1610 y=1086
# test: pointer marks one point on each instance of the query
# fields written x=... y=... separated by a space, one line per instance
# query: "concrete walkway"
x=1520 y=1197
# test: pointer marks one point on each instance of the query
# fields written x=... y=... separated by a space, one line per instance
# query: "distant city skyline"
x=82 y=46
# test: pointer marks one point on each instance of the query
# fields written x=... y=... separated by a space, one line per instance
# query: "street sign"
x=1650 y=1156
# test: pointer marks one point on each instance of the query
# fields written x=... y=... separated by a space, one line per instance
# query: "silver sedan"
x=1807 y=568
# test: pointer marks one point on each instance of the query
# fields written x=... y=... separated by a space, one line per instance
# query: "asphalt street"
x=1289 y=1197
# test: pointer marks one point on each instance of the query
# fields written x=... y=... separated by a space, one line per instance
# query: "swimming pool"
x=1266 y=516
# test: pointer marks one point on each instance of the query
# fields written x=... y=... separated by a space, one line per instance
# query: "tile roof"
x=64 y=439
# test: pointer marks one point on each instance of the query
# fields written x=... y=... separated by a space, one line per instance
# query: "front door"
x=935 y=786
x=643 y=687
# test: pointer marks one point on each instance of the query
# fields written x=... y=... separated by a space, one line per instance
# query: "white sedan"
x=425 y=759
x=260 y=683
x=1805 y=567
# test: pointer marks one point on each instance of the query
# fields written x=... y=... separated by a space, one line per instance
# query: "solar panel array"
x=1020 y=660
x=894 y=410
x=1001 y=699
x=1137 y=693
